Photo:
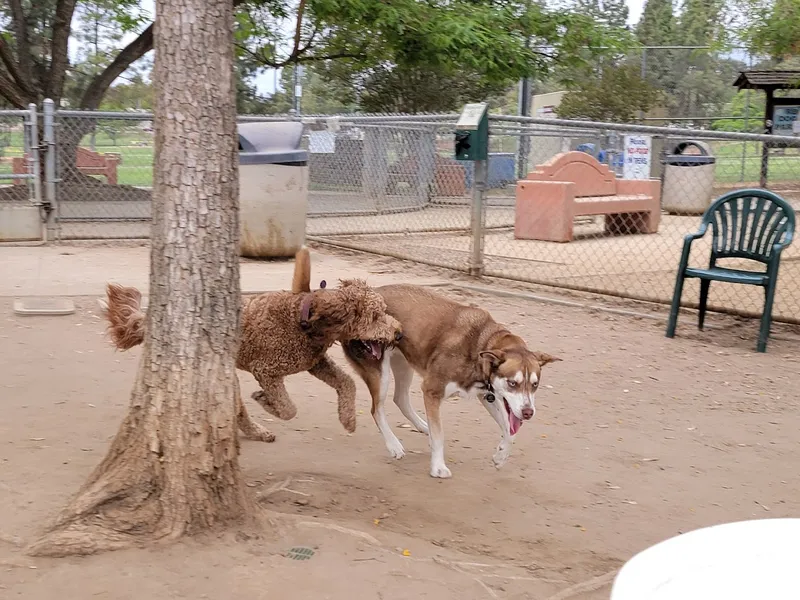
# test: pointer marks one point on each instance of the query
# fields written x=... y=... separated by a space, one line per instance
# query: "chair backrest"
x=749 y=223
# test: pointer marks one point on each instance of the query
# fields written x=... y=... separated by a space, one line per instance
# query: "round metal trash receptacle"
x=688 y=179
x=273 y=189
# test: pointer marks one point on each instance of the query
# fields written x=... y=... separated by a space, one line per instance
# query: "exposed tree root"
x=142 y=493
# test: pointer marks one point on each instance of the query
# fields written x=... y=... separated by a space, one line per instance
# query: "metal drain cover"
x=300 y=553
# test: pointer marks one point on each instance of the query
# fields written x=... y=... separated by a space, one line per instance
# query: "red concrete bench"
x=88 y=162
x=575 y=184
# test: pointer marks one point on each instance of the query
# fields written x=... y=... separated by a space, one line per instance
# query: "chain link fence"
x=389 y=185
x=22 y=211
x=17 y=162
x=105 y=174
x=615 y=241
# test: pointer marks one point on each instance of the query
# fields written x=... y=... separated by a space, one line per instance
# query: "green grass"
x=740 y=162
x=136 y=167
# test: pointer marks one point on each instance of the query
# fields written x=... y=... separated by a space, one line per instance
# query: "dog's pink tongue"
x=376 y=349
x=514 y=423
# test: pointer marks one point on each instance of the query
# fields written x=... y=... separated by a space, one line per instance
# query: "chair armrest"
x=687 y=245
x=688 y=239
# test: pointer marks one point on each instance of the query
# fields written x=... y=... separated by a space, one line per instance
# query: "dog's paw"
x=500 y=458
x=395 y=449
x=259 y=434
x=348 y=421
x=422 y=428
x=263 y=436
x=285 y=412
x=501 y=455
x=440 y=471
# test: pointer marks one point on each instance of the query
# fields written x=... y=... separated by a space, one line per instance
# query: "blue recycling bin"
x=501 y=169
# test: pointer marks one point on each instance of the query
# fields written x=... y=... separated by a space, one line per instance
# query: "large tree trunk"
x=173 y=467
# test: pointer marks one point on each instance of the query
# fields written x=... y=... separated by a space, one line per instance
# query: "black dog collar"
x=305 y=306
x=489 y=395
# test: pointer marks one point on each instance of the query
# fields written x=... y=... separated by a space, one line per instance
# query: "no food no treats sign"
x=638 y=156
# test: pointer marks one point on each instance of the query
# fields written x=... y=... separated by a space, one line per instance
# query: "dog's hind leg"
x=273 y=395
x=393 y=445
x=403 y=376
x=377 y=379
x=378 y=384
x=250 y=429
x=433 y=400
x=329 y=372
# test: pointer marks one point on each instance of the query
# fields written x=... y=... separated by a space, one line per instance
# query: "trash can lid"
x=681 y=147
x=271 y=143
x=689 y=160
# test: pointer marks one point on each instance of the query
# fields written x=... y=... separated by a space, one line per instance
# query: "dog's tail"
x=123 y=311
x=301 y=280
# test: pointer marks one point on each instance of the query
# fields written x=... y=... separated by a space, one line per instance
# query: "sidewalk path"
x=84 y=270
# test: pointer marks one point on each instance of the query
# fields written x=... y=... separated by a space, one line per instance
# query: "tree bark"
x=173 y=467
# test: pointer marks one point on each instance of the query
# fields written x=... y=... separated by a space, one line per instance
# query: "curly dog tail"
x=123 y=311
x=301 y=280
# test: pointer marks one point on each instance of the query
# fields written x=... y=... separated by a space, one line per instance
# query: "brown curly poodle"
x=284 y=333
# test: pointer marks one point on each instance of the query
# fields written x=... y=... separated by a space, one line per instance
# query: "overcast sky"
x=265 y=82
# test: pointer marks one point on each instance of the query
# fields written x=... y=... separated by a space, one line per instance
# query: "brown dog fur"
x=283 y=333
x=455 y=349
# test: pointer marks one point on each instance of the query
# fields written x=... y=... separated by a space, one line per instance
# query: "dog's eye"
x=511 y=383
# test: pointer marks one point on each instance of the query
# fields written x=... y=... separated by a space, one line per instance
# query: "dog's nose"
x=527 y=413
x=398 y=336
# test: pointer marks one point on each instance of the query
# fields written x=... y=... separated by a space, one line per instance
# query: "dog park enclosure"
x=387 y=184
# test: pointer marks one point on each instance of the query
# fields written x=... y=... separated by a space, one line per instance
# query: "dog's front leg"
x=250 y=429
x=329 y=372
x=273 y=395
x=506 y=441
x=433 y=400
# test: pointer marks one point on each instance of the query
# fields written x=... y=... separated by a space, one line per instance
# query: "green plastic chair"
x=753 y=224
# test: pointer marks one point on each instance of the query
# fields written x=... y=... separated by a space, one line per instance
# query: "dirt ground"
x=637 y=438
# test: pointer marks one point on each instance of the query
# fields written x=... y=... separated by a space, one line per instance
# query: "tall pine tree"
x=703 y=87
x=613 y=13
x=657 y=28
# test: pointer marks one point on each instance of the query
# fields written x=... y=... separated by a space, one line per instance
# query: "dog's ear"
x=494 y=357
x=313 y=315
x=545 y=359
x=490 y=360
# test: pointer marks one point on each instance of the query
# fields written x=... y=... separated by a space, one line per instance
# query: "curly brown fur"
x=125 y=319
x=301 y=279
x=284 y=333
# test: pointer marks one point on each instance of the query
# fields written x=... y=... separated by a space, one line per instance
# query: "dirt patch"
x=637 y=438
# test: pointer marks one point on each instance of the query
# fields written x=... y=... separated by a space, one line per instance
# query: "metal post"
x=644 y=62
x=49 y=143
x=35 y=155
x=297 y=72
x=746 y=123
x=765 y=146
x=644 y=75
x=524 y=142
x=478 y=189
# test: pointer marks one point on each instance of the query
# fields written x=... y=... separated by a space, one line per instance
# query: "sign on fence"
x=321 y=142
x=638 y=156
x=783 y=119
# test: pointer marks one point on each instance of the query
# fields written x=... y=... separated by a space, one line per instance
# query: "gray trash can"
x=688 y=179
x=273 y=189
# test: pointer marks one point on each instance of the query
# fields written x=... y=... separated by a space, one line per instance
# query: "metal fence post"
x=49 y=143
x=476 y=218
x=35 y=155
